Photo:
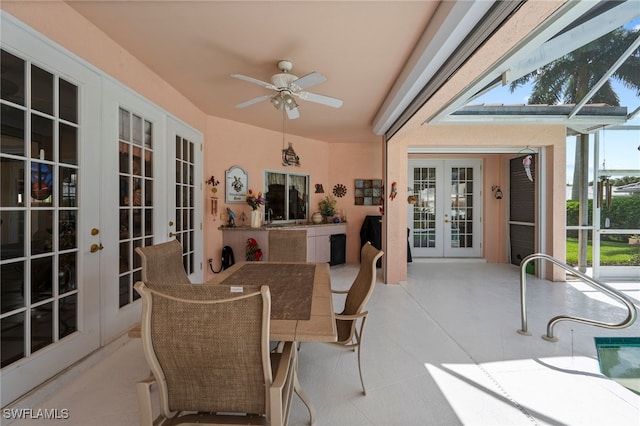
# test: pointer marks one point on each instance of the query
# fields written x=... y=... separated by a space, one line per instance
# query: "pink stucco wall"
x=228 y=143
x=495 y=173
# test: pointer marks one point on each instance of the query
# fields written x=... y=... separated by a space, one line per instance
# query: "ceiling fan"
x=287 y=86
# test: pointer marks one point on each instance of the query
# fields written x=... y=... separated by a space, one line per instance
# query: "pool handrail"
x=608 y=290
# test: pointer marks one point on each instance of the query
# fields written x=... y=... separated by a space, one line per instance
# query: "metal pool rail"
x=606 y=289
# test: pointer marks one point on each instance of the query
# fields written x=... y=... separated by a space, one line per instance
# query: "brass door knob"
x=95 y=247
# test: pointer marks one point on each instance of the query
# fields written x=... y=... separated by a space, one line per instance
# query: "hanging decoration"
x=604 y=186
x=526 y=163
x=319 y=188
x=289 y=156
x=394 y=191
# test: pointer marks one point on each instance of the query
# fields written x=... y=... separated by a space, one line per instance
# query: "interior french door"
x=49 y=208
x=134 y=158
x=445 y=220
x=185 y=206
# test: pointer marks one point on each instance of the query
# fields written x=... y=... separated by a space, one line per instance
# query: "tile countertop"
x=280 y=226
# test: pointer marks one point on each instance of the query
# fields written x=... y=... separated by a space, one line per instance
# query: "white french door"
x=445 y=220
x=185 y=203
x=134 y=198
x=50 y=210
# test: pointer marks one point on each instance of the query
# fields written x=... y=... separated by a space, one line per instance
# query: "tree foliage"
x=569 y=78
x=624 y=213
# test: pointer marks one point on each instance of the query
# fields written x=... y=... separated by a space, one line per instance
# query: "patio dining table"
x=301 y=302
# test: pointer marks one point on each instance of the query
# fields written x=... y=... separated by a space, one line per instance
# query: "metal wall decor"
x=368 y=192
x=289 y=157
x=339 y=190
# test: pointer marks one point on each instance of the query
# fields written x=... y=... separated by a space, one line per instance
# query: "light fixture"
x=276 y=101
x=289 y=102
x=284 y=98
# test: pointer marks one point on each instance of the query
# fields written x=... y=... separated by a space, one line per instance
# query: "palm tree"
x=568 y=80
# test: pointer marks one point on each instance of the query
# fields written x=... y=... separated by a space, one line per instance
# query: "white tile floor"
x=441 y=349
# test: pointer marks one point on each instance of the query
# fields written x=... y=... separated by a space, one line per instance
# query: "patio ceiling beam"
x=448 y=28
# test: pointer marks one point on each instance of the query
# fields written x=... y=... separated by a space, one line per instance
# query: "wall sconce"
x=497 y=192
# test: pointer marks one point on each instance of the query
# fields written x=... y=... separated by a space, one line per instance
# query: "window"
x=286 y=205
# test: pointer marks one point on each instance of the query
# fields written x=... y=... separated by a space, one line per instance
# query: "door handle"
x=95 y=247
x=172 y=234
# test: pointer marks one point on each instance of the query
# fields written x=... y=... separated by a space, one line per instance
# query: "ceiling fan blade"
x=320 y=99
x=306 y=81
x=254 y=81
x=293 y=113
x=253 y=101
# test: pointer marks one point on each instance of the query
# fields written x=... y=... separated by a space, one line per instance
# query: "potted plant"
x=634 y=240
x=328 y=207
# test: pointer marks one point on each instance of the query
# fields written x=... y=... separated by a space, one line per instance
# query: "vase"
x=316 y=218
x=256 y=218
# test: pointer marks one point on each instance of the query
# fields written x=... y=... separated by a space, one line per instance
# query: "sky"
x=620 y=150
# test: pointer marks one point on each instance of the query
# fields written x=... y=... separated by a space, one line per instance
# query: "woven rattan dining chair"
x=162 y=263
x=288 y=246
x=349 y=335
x=208 y=348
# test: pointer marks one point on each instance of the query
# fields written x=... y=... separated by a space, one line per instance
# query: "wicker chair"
x=349 y=336
x=288 y=246
x=162 y=263
x=208 y=347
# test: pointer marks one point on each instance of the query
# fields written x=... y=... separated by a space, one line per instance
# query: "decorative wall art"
x=339 y=190
x=368 y=192
x=289 y=157
x=236 y=184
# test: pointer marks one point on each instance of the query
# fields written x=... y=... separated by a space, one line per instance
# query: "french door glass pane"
x=13 y=85
x=185 y=201
x=41 y=90
x=424 y=210
x=461 y=207
x=136 y=197
x=12 y=131
x=38 y=208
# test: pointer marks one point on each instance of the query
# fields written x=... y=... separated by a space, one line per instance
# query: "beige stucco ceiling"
x=368 y=51
x=360 y=46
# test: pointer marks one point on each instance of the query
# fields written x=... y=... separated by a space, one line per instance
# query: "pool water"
x=619 y=359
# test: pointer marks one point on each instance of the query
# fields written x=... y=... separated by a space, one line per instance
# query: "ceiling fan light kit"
x=287 y=86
